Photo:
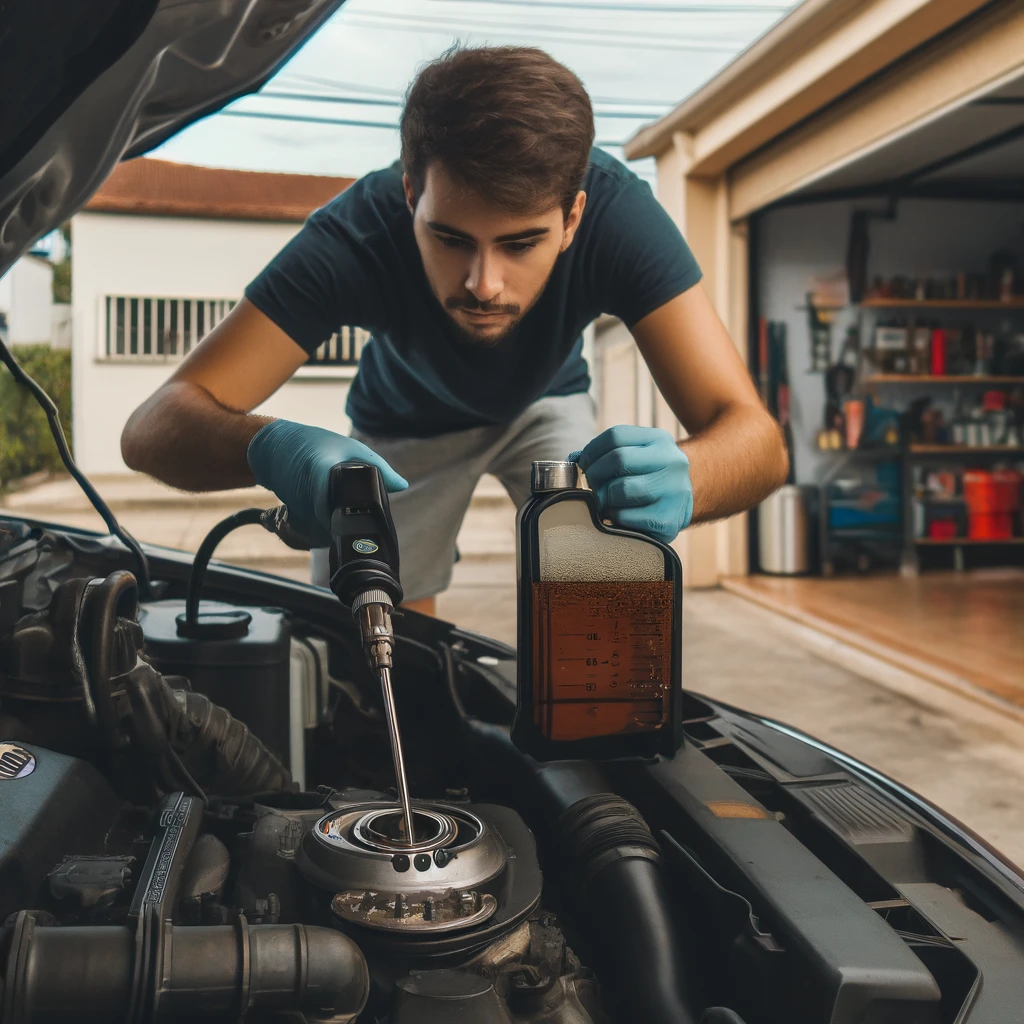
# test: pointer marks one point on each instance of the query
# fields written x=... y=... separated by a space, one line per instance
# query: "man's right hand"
x=294 y=461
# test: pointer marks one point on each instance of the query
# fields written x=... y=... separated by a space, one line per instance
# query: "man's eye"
x=520 y=247
x=453 y=243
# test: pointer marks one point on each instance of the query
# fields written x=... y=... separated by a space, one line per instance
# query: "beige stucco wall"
x=699 y=206
x=179 y=257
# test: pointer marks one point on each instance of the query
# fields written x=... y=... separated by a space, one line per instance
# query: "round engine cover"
x=351 y=849
x=459 y=877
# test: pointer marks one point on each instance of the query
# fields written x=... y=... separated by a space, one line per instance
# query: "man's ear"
x=572 y=221
x=410 y=193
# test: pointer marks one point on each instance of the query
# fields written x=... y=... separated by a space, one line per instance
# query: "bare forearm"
x=735 y=462
x=184 y=437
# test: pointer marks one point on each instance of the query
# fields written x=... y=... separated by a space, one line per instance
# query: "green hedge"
x=26 y=445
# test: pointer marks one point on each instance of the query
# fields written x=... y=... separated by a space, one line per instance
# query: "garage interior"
x=887 y=334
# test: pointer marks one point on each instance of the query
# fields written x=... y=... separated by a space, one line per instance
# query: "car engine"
x=159 y=861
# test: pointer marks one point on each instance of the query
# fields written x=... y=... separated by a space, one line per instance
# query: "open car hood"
x=87 y=85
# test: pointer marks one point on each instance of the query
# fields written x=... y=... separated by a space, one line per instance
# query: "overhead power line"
x=332 y=83
x=264 y=115
x=357 y=87
x=584 y=5
x=313 y=97
x=548 y=33
x=516 y=25
x=275 y=94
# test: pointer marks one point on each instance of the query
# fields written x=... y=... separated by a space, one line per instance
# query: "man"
x=476 y=271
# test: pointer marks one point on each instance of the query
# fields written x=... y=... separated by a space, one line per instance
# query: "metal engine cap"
x=384 y=830
x=360 y=848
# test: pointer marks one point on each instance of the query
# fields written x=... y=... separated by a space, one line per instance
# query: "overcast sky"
x=637 y=58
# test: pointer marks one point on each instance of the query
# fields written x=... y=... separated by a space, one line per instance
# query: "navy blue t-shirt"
x=356 y=263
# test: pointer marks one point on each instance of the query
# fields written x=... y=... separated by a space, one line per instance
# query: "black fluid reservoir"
x=248 y=674
x=600 y=628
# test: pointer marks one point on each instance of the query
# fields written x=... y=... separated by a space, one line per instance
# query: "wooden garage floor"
x=964 y=630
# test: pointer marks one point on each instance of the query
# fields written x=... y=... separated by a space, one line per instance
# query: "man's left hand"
x=641 y=478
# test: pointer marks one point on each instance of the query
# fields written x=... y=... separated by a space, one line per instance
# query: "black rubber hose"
x=242 y=763
x=64 y=450
x=247 y=517
x=614 y=864
x=613 y=876
x=84 y=974
x=116 y=597
x=225 y=756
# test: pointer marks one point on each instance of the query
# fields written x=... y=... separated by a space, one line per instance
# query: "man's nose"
x=484 y=281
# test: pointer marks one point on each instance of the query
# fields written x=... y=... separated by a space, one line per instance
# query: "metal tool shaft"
x=396 y=752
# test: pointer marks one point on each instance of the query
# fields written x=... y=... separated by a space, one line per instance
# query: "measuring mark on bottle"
x=622 y=632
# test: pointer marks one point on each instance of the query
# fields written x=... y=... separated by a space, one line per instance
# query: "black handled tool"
x=364 y=576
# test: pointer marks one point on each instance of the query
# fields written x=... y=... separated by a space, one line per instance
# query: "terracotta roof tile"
x=163 y=188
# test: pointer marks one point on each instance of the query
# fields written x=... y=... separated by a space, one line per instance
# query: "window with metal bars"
x=148 y=327
x=163 y=329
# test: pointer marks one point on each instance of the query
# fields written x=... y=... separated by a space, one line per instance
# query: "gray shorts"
x=443 y=472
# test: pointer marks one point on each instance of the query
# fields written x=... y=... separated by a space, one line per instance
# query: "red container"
x=938 y=352
x=986 y=492
x=993 y=401
x=942 y=529
x=990 y=526
x=979 y=491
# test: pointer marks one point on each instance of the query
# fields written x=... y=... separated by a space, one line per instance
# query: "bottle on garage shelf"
x=921 y=348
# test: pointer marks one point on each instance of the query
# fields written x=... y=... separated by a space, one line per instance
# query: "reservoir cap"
x=554 y=476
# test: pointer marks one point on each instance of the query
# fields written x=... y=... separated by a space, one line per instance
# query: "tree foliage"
x=26 y=445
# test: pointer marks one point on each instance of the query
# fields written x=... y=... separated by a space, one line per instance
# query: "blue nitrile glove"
x=294 y=461
x=641 y=478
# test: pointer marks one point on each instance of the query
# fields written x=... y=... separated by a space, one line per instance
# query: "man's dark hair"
x=508 y=122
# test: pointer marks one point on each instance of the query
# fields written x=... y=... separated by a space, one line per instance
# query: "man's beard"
x=512 y=310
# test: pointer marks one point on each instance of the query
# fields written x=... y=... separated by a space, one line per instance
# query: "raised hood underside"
x=86 y=85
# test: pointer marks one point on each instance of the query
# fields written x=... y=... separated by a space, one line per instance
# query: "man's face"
x=486 y=267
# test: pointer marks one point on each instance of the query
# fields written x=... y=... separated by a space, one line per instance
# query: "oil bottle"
x=600 y=625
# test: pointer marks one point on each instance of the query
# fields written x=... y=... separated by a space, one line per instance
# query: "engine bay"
x=186 y=840
x=208 y=829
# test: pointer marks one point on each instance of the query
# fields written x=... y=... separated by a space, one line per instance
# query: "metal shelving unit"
x=1017 y=302
x=911 y=455
x=914 y=455
x=987 y=380
x=917 y=453
x=965 y=449
x=955 y=542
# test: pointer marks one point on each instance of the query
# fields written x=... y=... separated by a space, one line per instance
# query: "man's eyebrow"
x=516 y=236
x=445 y=229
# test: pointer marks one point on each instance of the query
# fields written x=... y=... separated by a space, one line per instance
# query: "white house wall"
x=118 y=254
x=26 y=298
